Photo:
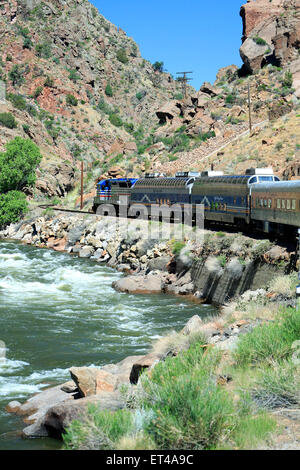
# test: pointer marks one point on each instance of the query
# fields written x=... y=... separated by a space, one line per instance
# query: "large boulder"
x=151 y=284
x=271 y=33
x=60 y=416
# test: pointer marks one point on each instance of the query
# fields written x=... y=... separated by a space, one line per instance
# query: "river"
x=58 y=311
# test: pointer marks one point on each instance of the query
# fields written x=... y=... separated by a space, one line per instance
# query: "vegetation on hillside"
x=18 y=164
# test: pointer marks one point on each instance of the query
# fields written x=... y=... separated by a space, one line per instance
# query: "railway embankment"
x=209 y=266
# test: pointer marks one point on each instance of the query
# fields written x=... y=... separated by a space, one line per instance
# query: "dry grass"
x=284 y=285
x=176 y=342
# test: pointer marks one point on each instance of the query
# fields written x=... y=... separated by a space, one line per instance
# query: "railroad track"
x=74 y=211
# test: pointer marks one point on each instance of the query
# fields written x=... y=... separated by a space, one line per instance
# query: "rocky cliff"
x=77 y=85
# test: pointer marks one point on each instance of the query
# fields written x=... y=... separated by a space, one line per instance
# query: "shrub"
x=26 y=129
x=158 y=66
x=270 y=342
x=115 y=120
x=12 y=206
x=49 y=82
x=71 y=100
x=259 y=41
x=73 y=75
x=18 y=164
x=16 y=75
x=177 y=247
x=37 y=92
x=208 y=411
x=100 y=430
x=17 y=100
x=27 y=43
x=8 y=120
x=43 y=50
x=122 y=56
x=287 y=80
x=278 y=386
x=108 y=90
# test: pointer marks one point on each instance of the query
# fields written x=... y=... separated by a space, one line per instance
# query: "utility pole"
x=184 y=80
x=249 y=105
x=81 y=192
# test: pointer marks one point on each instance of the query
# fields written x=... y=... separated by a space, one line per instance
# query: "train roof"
x=163 y=182
x=227 y=179
x=278 y=186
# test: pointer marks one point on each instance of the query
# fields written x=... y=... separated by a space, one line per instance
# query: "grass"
x=270 y=342
x=177 y=405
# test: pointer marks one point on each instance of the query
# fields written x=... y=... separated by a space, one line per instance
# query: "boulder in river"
x=150 y=284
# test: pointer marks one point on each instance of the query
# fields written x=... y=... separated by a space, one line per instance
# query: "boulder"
x=146 y=362
x=60 y=416
x=151 y=284
x=194 y=325
x=210 y=90
x=86 y=252
x=169 y=111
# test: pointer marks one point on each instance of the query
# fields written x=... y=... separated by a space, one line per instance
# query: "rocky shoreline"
x=51 y=411
x=214 y=269
x=152 y=266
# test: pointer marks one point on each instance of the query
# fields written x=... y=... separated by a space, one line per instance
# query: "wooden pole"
x=81 y=192
x=249 y=104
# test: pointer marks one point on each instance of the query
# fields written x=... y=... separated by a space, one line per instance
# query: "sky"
x=187 y=35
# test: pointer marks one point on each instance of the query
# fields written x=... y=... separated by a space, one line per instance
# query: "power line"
x=184 y=80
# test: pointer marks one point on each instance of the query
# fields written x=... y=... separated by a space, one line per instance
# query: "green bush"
x=115 y=120
x=108 y=90
x=49 y=82
x=177 y=247
x=12 y=206
x=259 y=41
x=37 y=92
x=18 y=164
x=270 y=342
x=16 y=75
x=122 y=56
x=158 y=66
x=17 y=100
x=8 y=120
x=71 y=100
x=43 y=50
x=190 y=410
x=73 y=75
x=27 y=43
x=101 y=430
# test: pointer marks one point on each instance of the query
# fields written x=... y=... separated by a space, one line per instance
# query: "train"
x=257 y=200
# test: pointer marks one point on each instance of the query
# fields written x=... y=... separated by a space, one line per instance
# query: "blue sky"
x=192 y=35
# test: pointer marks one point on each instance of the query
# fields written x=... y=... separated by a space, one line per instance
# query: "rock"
x=169 y=111
x=84 y=378
x=59 y=417
x=277 y=23
x=209 y=89
x=13 y=407
x=92 y=381
x=194 y=325
x=36 y=407
x=159 y=264
x=69 y=387
x=86 y=252
x=144 y=363
x=151 y=284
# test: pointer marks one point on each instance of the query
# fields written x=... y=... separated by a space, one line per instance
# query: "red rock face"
x=256 y=12
x=278 y=24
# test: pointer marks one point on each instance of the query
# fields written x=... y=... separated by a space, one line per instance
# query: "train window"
x=265 y=203
x=283 y=203
x=288 y=204
x=294 y=204
x=261 y=203
x=270 y=203
x=278 y=204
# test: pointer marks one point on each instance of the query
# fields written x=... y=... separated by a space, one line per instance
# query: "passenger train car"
x=257 y=199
